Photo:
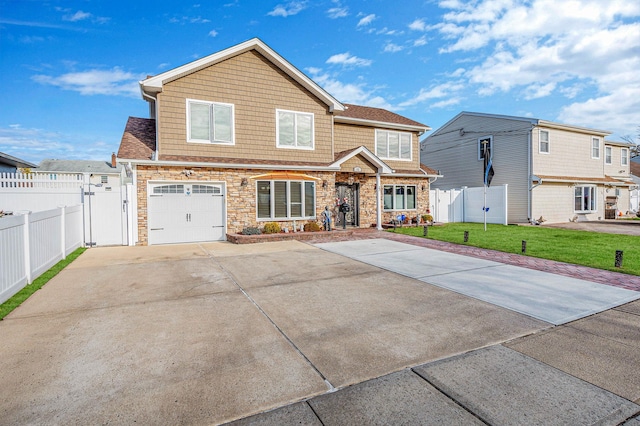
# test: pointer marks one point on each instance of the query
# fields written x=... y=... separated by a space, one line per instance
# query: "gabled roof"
x=343 y=156
x=14 y=161
x=370 y=116
x=152 y=85
x=138 y=140
x=532 y=121
x=76 y=166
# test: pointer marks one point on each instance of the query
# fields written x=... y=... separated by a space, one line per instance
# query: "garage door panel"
x=186 y=213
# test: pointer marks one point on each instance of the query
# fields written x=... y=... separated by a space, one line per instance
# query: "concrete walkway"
x=289 y=332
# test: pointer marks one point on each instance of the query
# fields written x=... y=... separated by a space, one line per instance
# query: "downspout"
x=378 y=203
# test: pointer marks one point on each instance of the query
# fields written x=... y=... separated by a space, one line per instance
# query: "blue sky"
x=70 y=69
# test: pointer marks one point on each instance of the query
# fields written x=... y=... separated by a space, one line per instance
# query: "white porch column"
x=378 y=202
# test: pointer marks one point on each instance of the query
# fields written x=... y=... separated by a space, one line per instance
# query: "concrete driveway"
x=209 y=333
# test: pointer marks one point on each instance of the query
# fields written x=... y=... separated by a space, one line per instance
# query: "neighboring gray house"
x=11 y=164
x=107 y=174
x=556 y=171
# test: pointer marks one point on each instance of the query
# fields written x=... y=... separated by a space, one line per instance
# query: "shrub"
x=312 y=227
x=251 y=230
x=271 y=228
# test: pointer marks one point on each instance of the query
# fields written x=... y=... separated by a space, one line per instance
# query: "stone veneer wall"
x=241 y=200
x=367 y=206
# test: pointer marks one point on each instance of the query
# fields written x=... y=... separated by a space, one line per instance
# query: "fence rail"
x=37 y=180
x=30 y=244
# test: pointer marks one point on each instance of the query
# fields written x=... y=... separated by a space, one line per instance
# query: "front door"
x=350 y=192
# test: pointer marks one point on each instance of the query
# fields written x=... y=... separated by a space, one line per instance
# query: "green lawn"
x=17 y=299
x=579 y=247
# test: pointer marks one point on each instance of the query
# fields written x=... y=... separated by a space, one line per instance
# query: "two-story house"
x=554 y=171
x=242 y=137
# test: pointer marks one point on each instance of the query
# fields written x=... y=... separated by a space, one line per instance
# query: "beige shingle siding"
x=616 y=168
x=256 y=88
x=569 y=155
x=348 y=136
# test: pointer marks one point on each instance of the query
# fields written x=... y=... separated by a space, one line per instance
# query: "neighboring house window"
x=607 y=155
x=294 y=129
x=393 y=145
x=280 y=199
x=544 y=141
x=585 y=199
x=624 y=157
x=399 y=197
x=210 y=122
x=487 y=140
x=104 y=179
x=595 y=147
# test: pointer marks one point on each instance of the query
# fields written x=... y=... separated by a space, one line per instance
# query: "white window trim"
x=272 y=217
x=593 y=138
x=210 y=140
x=295 y=130
x=624 y=157
x=548 y=151
x=608 y=155
x=395 y=209
x=490 y=137
x=594 y=202
x=399 y=146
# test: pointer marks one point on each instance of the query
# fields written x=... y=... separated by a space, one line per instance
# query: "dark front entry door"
x=350 y=192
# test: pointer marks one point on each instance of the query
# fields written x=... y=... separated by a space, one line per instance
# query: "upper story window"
x=294 y=129
x=210 y=122
x=393 y=145
x=607 y=155
x=595 y=148
x=485 y=143
x=624 y=157
x=104 y=179
x=544 y=141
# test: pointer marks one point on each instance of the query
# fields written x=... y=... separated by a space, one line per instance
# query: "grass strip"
x=594 y=249
x=17 y=299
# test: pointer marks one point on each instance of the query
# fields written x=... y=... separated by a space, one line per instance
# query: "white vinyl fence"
x=32 y=243
x=466 y=204
x=28 y=191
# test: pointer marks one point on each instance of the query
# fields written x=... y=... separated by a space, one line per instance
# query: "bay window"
x=283 y=200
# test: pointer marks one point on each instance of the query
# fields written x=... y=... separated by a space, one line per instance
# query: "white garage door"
x=186 y=212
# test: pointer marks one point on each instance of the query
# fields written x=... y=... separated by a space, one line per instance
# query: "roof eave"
x=398 y=126
x=154 y=84
x=330 y=168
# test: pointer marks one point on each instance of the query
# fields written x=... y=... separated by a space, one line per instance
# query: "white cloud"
x=418 y=25
x=213 y=33
x=78 y=16
x=546 y=48
x=448 y=91
x=114 y=82
x=34 y=145
x=350 y=93
x=291 y=8
x=338 y=12
x=347 y=59
x=420 y=41
x=366 y=20
x=392 y=48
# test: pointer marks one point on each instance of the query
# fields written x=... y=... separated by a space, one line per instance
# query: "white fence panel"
x=73 y=237
x=446 y=206
x=39 y=192
x=30 y=244
x=496 y=204
x=105 y=213
x=13 y=270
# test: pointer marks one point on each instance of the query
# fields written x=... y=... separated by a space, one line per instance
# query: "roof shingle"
x=376 y=114
x=139 y=139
